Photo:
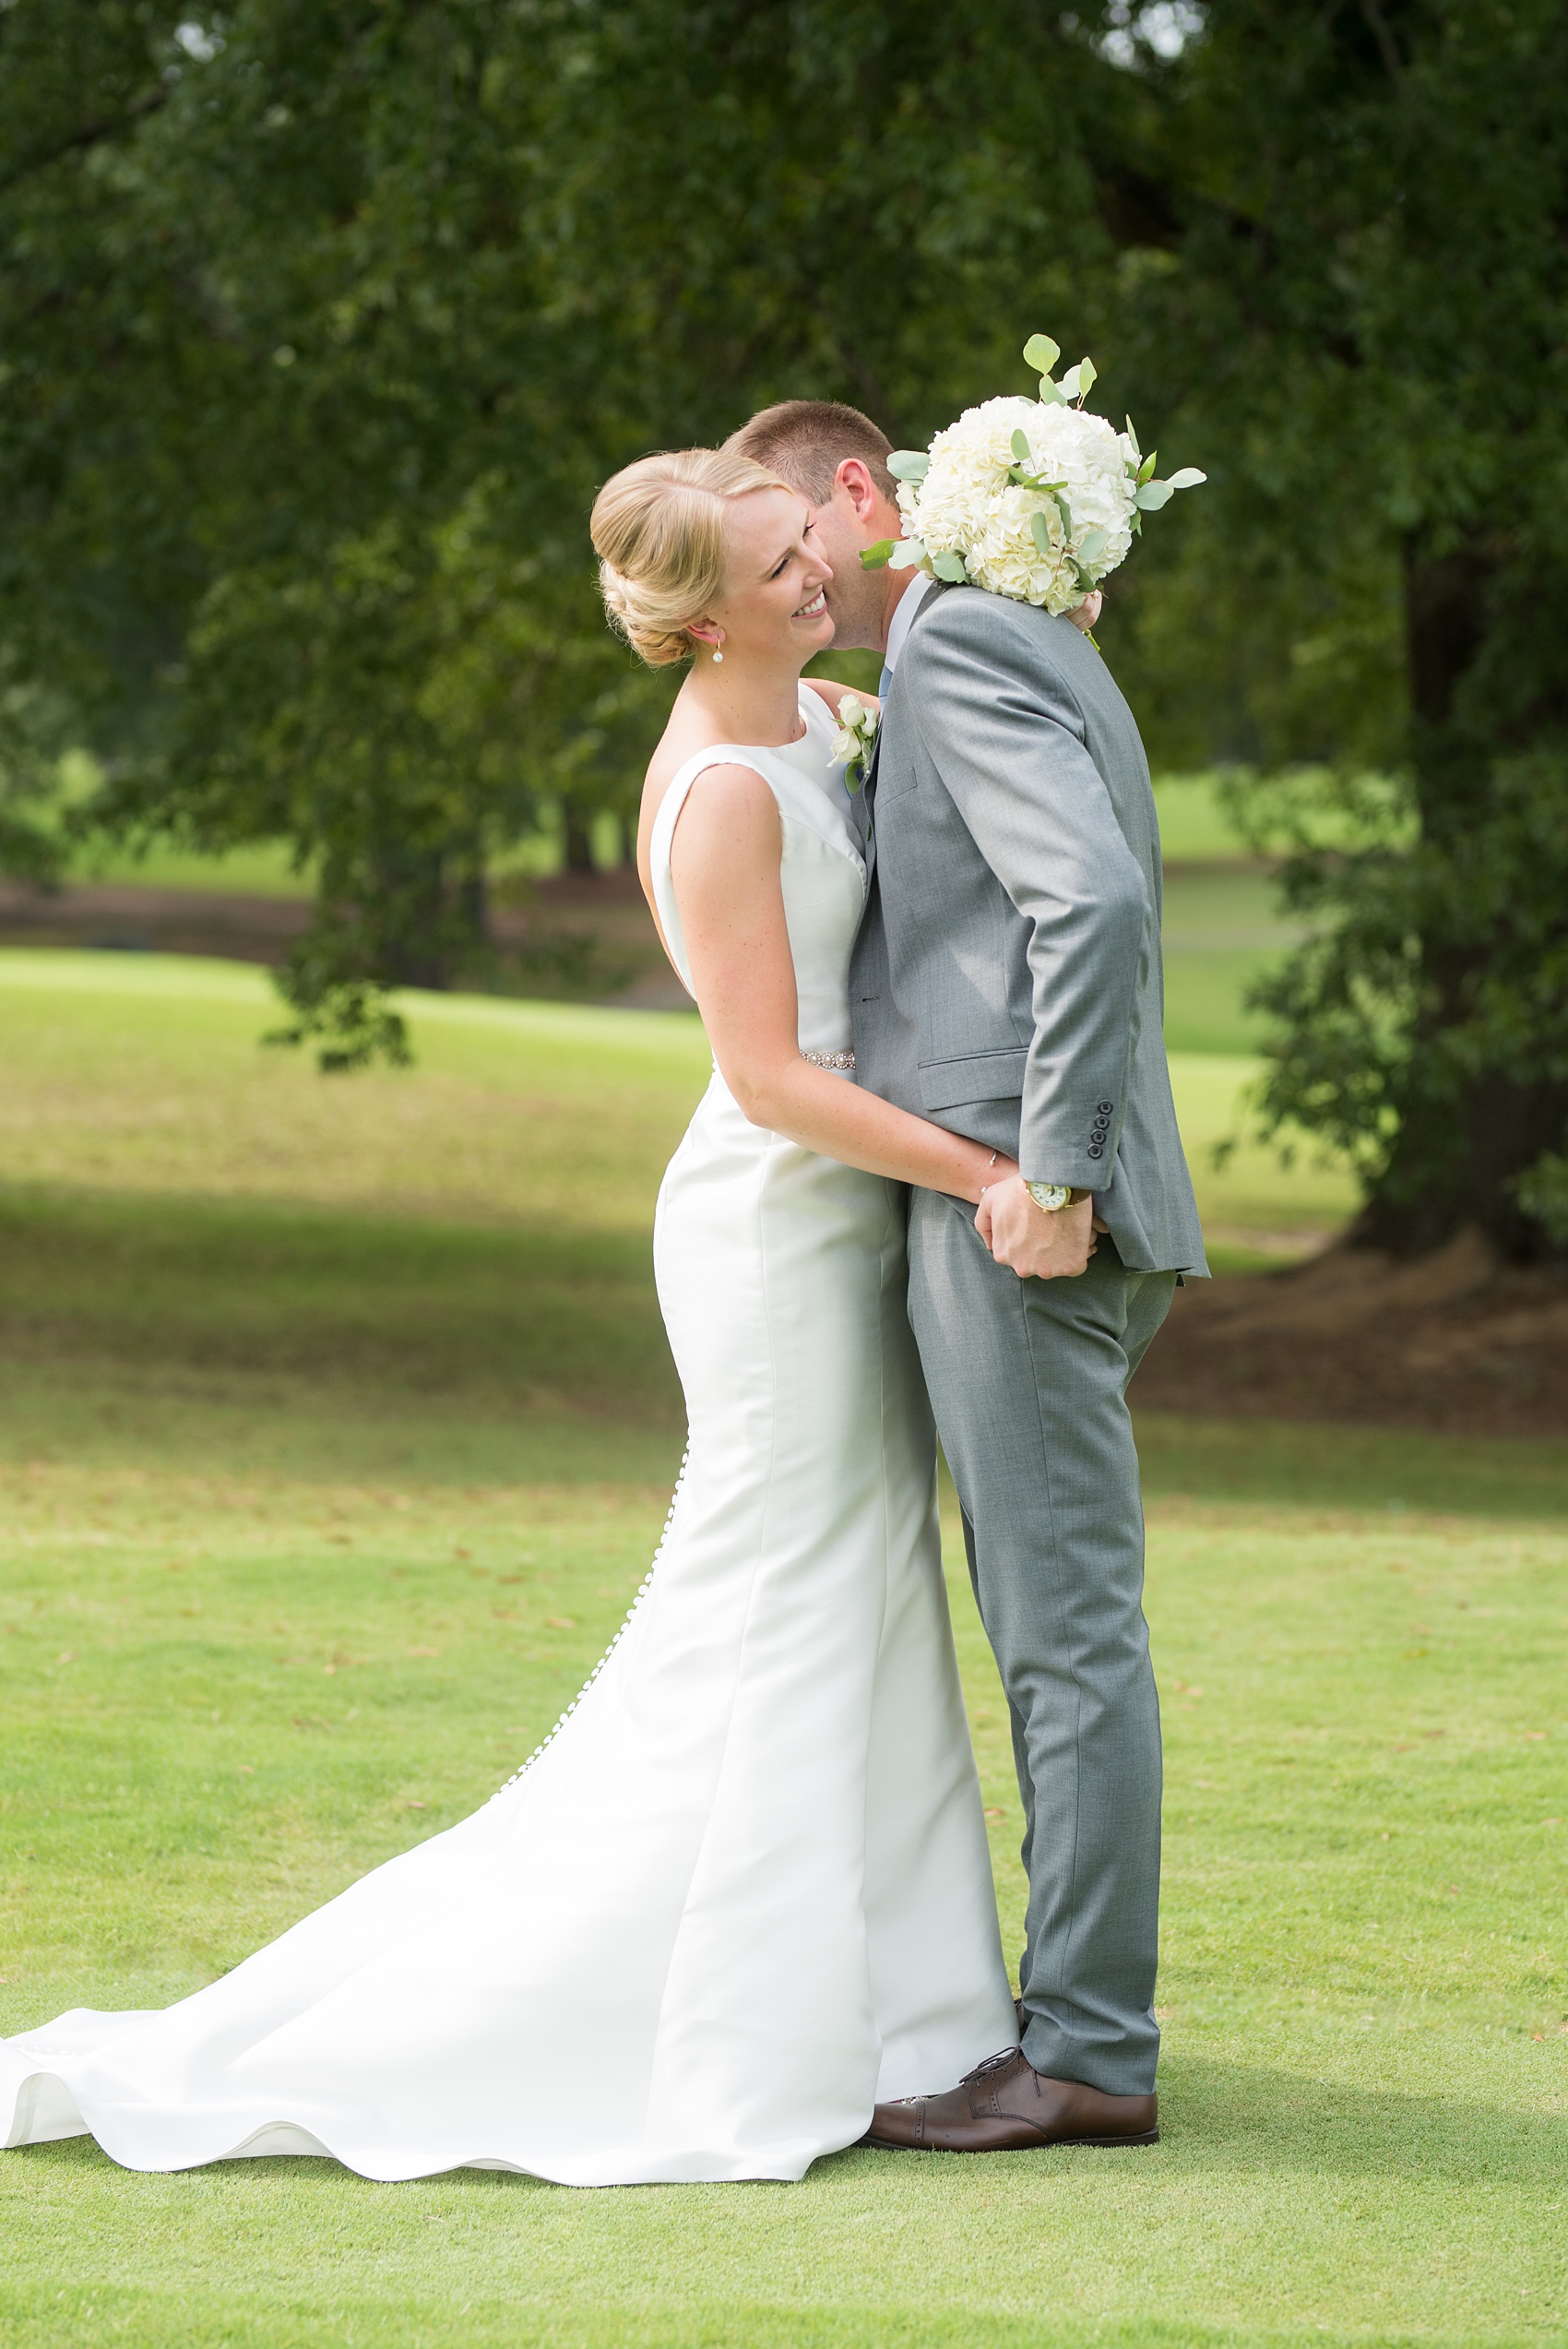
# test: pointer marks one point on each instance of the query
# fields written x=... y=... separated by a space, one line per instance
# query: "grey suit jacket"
x=1006 y=982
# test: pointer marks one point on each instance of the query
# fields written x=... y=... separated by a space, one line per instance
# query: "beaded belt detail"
x=843 y=1061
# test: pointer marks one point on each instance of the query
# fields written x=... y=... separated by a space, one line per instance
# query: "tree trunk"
x=1463 y=1140
x=579 y=838
x=415 y=928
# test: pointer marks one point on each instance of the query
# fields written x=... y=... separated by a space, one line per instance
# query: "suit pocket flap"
x=981 y=1076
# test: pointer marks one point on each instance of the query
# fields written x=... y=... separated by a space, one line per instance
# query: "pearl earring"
x=718 y=656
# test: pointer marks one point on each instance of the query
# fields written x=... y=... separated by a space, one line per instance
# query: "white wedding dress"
x=744 y=1889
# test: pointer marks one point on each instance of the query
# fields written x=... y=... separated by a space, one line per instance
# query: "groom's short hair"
x=807 y=440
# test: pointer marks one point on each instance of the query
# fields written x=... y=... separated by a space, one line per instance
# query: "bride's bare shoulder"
x=684 y=738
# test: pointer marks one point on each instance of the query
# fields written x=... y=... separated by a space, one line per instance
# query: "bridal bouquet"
x=1036 y=500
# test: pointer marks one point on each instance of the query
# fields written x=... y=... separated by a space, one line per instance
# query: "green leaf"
x=1153 y=495
x=875 y=558
x=1132 y=436
x=1137 y=524
x=1066 y=513
x=1040 y=531
x=1041 y=354
x=909 y=464
x=949 y=567
x=1050 y=396
x=1021 y=448
x=1188 y=478
x=1088 y=374
x=1147 y=468
x=1068 y=387
x=907 y=553
x=1092 y=545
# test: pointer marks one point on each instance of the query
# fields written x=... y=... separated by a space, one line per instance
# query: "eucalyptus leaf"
x=1146 y=469
x=1188 y=478
x=1153 y=495
x=1069 y=386
x=1132 y=436
x=1088 y=374
x=1041 y=354
x=949 y=567
x=909 y=464
x=1021 y=448
x=1050 y=396
x=1039 y=529
x=1066 y=513
x=1092 y=545
x=906 y=553
x=875 y=558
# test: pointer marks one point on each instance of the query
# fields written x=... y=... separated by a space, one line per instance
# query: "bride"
x=742 y=1892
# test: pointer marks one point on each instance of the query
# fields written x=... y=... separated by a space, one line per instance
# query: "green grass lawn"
x=337 y=1433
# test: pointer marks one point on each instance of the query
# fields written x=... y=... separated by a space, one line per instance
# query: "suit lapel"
x=868 y=788
x=868 y=805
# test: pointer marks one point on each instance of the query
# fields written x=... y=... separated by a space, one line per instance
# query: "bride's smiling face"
x=774 y=608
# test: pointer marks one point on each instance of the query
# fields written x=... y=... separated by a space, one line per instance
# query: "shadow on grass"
x=240 y=1336
x=1313 y=1464
x=316 y=1342
x=406 y=1306
x=1215 y=2117
x=1226 y=2117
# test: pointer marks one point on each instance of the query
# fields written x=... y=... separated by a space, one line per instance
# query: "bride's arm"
x=724 y=860
x=834 y=694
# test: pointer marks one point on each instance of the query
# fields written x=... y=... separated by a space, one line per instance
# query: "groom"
x=1007 y=984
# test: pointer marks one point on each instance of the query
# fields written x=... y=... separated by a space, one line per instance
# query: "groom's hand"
x=1031 y=1241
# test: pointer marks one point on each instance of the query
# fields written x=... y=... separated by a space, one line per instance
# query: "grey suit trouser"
x=1027 y=1379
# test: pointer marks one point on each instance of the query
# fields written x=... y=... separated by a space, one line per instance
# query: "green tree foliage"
x=1364 y=273
x=343 y=313
x=326 y=317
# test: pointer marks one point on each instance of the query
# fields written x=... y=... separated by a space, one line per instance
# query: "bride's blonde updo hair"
x=658 y=530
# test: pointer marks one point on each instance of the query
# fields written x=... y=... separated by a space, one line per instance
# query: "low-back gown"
x=743 y=1890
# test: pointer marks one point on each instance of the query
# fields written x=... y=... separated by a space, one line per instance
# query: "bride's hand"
x=999 y=1173
x=1087 y=614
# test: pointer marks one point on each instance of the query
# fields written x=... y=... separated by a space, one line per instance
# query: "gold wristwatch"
x=1054 y=1196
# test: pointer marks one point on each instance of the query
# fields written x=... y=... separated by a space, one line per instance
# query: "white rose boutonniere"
x=1035 y=499
x=851 y=744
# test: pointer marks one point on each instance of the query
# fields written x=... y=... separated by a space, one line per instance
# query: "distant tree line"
x=321 y=320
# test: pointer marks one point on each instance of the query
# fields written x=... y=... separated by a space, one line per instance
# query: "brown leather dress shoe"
x=1005 y=2106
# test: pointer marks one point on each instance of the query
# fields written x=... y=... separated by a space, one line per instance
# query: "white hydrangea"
x=1036 y=500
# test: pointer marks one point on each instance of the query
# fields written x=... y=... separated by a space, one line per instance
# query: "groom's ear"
x=854 y=481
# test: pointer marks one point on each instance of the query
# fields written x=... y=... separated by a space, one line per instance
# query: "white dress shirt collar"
x=903 y=618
